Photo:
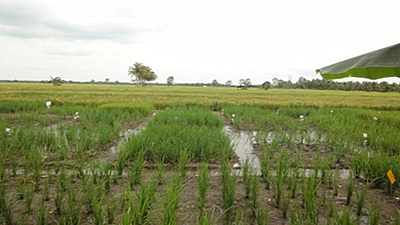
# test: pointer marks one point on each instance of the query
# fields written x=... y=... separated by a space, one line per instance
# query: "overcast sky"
x=193 y=41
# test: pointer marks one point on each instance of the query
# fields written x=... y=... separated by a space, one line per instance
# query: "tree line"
x=321 y=84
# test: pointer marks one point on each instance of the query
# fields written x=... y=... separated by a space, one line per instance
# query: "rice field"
x=102 y=154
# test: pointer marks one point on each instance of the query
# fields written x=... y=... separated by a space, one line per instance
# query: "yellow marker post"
x=391 y=176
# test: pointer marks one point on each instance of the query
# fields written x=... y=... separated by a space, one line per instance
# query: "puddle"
x=307 y=137
x=243 y=146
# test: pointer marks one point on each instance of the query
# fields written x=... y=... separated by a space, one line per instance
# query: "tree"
x=266 y=85
x=228 y=83
x=170 y=80
x=245 y=83
x=214 y=83
x=141 y=73
x=107 y=80
x=56 y=81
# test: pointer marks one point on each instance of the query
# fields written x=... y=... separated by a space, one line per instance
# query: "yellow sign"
x=391 y=176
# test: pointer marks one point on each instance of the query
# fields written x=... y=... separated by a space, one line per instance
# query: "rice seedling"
x=265 y=169
x=28 y=193
x=279 y=179
x=262 y=215
x=171 y=200
x=42 y=217
x=310 y=186
x=285 y=203
x=184 y=158
x=135 y=173
x=247 y=176
x=111 y=210
x=345 y=217
x=374 y=215
x=254 y=194
x=203 y=185
x=98 y=211
x=349 y=188
x=293 y=180
x=144 y=200
x=360 y=200
x=208 y=218
x=295 y=217
x=228 y=190
x=6 y=206
x=73 y=207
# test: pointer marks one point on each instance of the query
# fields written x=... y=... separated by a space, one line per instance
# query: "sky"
x=193 y=41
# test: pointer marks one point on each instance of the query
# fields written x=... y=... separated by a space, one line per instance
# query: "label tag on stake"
x=391 y=176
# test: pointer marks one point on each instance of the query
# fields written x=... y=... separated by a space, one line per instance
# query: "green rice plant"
x=184 y=159
x=228 y=190
x=295 y=217
x=208 y=218
x=171 y=200
x=247 y=176
x=58 y=200
x=196 y=130
x=262 y=215
x=285 y=203
x=374 y=214
x=240 y=218
x=42 y=217
x=349 y=188
x=265 y=169
x=127 y=208
x=92 y=194
x=281 y=174
x=45 y=193
x=159 y=173
x=121 y=160
x=73 y=205
x=135 y=173
x=98 y=211
x=111 y=210
x=29 y=193
x=106 y=175
x=293 y=180
x=254 y=194
x=310 y=186
x=144 y=199
x=21 y=184
x=360 y=200
x=6 y=207
x=61 y=187
x=203 y=185
x=345 y=217
x=328 y=204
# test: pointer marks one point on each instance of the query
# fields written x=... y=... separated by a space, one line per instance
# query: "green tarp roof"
x=374 y=65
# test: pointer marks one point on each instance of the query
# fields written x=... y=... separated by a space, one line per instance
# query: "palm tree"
x=56 y=81
x=141 y=73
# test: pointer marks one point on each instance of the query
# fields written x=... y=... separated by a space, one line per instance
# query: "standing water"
x=243 y=147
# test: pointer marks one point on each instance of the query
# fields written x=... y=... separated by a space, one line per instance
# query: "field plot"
x=103 y=159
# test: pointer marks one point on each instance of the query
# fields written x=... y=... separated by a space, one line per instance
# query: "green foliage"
x=141 y=73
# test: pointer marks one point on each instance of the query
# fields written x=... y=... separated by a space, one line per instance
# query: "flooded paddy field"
x=129 y=163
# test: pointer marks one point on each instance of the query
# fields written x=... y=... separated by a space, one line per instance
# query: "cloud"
x=38 y=20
